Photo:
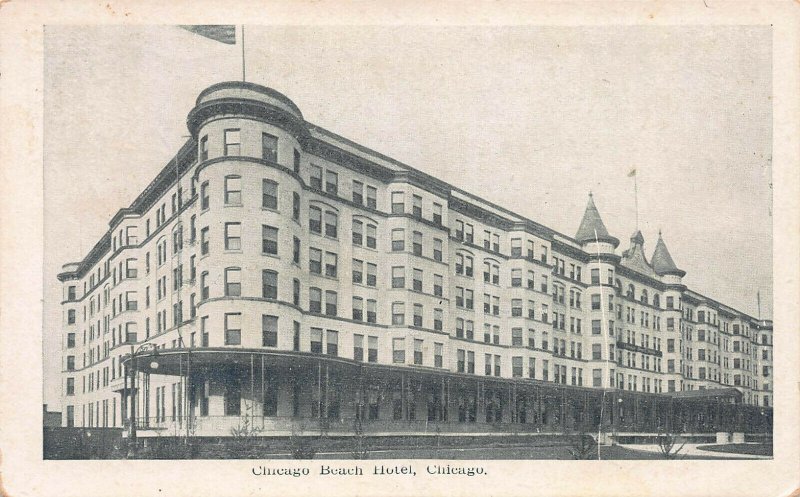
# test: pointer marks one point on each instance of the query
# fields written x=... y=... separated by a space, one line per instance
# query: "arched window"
x=644 y=298
x=657 y=300
x=631 y=291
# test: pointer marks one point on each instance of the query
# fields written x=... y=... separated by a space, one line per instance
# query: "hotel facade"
x=277 y=274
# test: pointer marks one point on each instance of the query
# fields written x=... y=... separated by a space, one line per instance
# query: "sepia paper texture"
x=45 y=205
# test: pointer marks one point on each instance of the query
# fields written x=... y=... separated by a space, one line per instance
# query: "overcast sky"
x=530 y=118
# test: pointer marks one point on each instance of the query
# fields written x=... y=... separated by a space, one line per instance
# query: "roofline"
x=188 y=151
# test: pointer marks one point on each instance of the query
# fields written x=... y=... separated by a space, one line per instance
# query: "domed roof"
x=592 y=227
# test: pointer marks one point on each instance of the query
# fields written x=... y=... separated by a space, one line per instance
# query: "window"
x=596 y=327
x=316 y=340
x=315 y=219
x=204 y=241
x=269 y=240
x=437 y=213
x=71 y=316
x=398 y=350
x=204 y=196
x=315 y=260
x=437 y=285
x=416 y=205
x=332 y=182
x=204 y=292
x=516 y=337
x=233 y=282
x=295 y=206
x=372 y=196
x=418 y=315
x=296 y=291
x=233 y=329
x=595 y=276
x=296 y=250
x=595 y=302
x=296 y=161
x=316 y=177
x=372 y=352
x=372 y=236
x=330 y=303
x=417 y=281
x=398 y=313
x=398 y=203
x=204 y=148
x=269 y=147
x=71 y=363
x=233 y=236
x=333 y=343
x=596 y=352
x=516 y=307
x=398 y=277
x=269 y=284
x=437 y=354
x=516 y=277
x=459 y=230
x=315 y=300
x=233 y=190
x=331 y=223
x=417 y=243
x=372 y=274
x=372 y=311
x=358 y=232
x=358 y=271
x=438 y=318
x=269 y=331
x=71 y=340
x=516 y=367
x=358 y=192
x=232 y=142
x=269 y=194
x=398 y=240
x=358 y=348
x=468 y=233
x=330 y=264
x=418 y=352
x=437 y=250
x=358 y=309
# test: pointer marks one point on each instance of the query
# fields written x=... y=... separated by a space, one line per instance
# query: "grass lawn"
x=752 y=449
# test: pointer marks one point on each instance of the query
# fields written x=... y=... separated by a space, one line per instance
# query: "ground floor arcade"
x=220 y=392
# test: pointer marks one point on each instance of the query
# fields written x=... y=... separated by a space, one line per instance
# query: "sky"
x=531 y=118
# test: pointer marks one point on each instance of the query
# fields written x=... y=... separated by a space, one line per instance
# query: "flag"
x=224 y=33
x=632 y=173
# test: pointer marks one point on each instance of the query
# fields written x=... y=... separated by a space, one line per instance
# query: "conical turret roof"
x=662 y=261
x=592 y=227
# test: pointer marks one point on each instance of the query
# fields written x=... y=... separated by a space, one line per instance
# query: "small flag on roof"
x=223 y=33
x=632 y=173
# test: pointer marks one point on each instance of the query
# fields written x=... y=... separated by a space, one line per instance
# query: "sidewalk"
x=694 y=451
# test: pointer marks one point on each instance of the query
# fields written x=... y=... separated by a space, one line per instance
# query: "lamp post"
x=134 y=357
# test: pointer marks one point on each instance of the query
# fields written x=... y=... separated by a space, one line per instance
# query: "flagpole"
x=636 y=198
x=243 y=62
x=758 y=298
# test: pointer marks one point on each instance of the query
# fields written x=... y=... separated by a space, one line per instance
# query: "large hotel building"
x=277 y=272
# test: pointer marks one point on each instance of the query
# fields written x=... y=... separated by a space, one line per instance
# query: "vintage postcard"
x=301 y=248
